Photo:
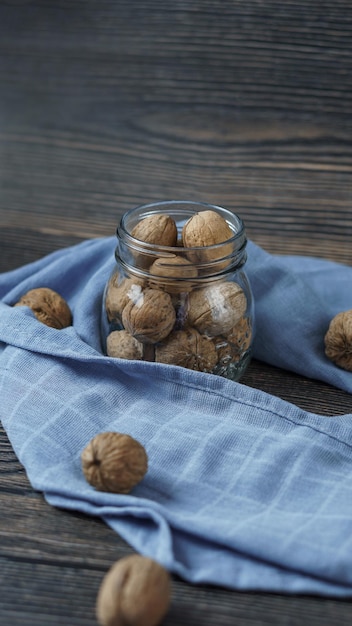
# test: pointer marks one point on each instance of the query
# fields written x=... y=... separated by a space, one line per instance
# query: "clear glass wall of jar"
x=176 y=297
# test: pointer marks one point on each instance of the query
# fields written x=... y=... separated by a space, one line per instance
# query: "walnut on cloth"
x=114 y=462
x=48 y=306
x=338 y=340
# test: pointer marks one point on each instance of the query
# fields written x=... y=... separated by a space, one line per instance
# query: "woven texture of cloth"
x=243 y=489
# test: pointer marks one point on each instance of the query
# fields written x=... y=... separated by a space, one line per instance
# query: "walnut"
x=120 y=344
x=241 y=335
x=338 y=340
x=187 y=348
x=151 y=317
x=136 y=591
x=215 y=309
x=207 y=228
x=231 y=348
x=48 y=307
x=119 y=293
x=114 y=462
x=175 y=271
x=158 y=230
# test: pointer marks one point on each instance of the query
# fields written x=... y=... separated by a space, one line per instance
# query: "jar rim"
x=171 y=207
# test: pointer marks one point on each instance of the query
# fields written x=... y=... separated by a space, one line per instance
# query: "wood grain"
x=246 y=105
x=106 y=105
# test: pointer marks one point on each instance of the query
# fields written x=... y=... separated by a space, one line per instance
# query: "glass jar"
x=178 y=292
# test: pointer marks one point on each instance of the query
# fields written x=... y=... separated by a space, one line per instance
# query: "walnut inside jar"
x=215 y=309
x=232 y=347
x=187 y=348
x=120 y=344
x=151 y=317
x=204 y=231
x=172 y=273
x=118 y=293
x=241 y=334
x=158 y=230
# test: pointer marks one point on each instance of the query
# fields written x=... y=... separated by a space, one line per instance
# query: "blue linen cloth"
x=243 y=489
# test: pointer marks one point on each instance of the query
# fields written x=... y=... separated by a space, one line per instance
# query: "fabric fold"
x=243 y=489
x=296 y=298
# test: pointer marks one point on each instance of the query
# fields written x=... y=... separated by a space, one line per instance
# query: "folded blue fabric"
x=243 y=489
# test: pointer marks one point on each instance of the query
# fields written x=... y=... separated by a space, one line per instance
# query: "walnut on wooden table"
x=136 y=591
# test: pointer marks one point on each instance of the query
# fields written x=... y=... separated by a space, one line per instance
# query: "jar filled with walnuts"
x=178 y=293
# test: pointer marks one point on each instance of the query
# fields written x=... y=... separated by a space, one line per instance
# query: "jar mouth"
x=181 y=211
x=209 y=260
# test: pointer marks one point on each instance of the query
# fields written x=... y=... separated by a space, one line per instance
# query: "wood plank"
x=108 y=105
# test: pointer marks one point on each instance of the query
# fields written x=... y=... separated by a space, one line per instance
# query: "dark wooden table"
x=105 y=105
